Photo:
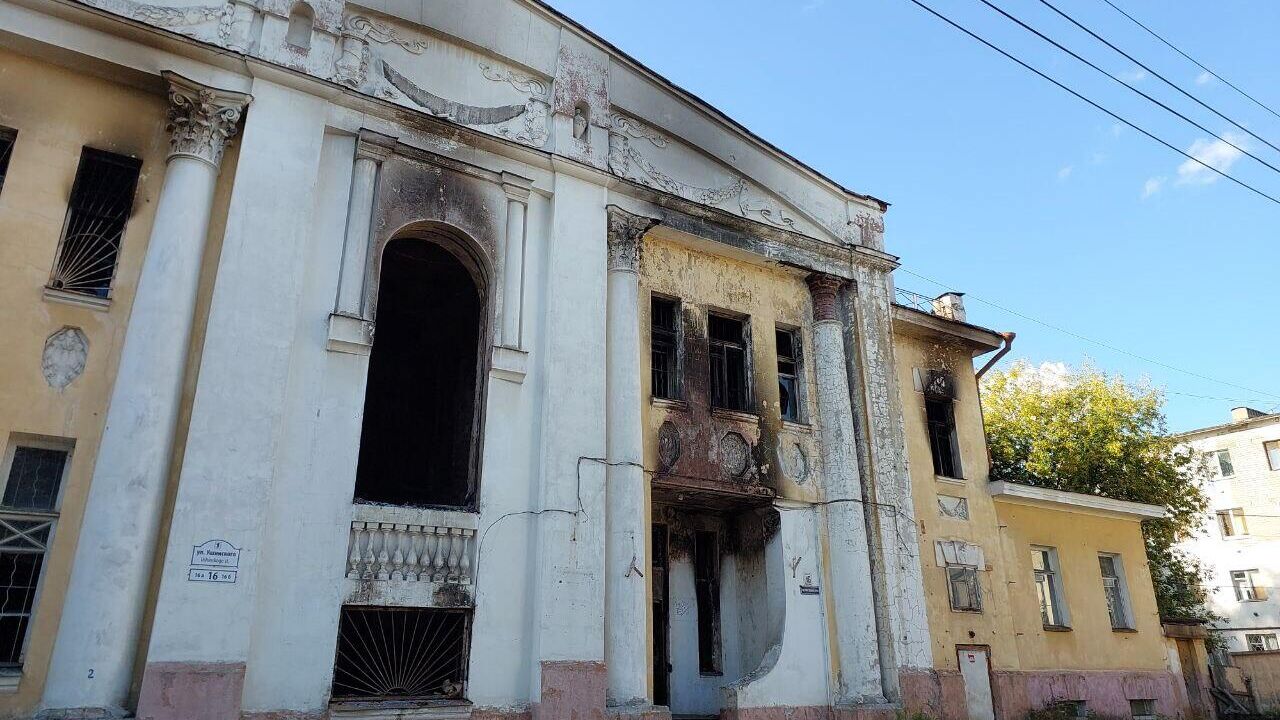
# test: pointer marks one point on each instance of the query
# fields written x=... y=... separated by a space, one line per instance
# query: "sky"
x=1009 y=189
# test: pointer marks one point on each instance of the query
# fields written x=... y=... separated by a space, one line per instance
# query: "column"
x=509 y=355
x=856 y=652
x=626 y=613
x=93 y=656
x=349 y=329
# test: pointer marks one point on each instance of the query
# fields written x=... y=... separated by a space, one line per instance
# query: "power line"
x=1197 y=63
x=1088 y=339
x=1068 y=51
x=1118 y=118
x=1165 y=80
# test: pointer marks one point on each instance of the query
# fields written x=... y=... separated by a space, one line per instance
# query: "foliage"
x=1088 y=432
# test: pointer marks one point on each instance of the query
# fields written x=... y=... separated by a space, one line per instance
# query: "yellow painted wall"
x=56 y=112
x=1079 y=537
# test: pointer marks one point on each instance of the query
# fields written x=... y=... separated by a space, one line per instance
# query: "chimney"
x=1241 y=414
x=950 y=305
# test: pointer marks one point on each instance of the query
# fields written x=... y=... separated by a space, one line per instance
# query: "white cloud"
x=1215 y=153
x=812 y=5
x=1152 y=186
x=1204 y=78
x=1099 y=158
x=1065 y=172
x=1116 y=129
x=1135 y=75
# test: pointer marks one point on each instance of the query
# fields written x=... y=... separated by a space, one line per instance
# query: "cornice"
x=1075 y=502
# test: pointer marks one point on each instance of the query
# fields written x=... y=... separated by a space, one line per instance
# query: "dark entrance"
x=661 y=650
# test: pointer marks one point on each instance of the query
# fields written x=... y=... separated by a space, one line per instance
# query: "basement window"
x=8 y=136
x=1142 y=709
x=706 y=576
x=727 y=352
x=417 y=441
x=788 y=345
x=34 y=473
x=100 y=204
x=963 y=588
x=387 y=653
x=664 y=342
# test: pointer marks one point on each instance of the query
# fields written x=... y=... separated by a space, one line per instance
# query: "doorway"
x=661 y=619
x=975 y=669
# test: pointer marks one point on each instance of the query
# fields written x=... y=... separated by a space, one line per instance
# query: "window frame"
x=976 y=592
x=1231 y=523
x=1264 y=639
x=677 y=353
x=1051 y=575
x=707 y=599
x=1222 y=471
x=1250 y=593
x=745 y=347
x=796 y=360
x=88 y=154
x=1135 y=711
x=952 y=439
x=1273 y=463
x=8 y=141
x=1120 y=583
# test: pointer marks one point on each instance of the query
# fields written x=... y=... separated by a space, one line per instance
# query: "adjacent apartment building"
x=1239 y=542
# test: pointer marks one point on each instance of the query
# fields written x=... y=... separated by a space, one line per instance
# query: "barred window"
x=665 y=347
x=391 y=653
x=33 y=476
x=100 y=204
x=7 y=138
x=728 y=363
x=1261 y=642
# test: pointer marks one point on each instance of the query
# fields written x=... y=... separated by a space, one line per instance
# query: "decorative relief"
x=735 y=455
x=455 y=111
x=201 y=119
x=953 y=507
x=523 y=83
x=169 y=17
x=627 y=162
x=532 y=127
x=352 y=66
x=767 y=210
x=632 y=128
x=625 y=232
x=383 y=34
x=870 y=230
x=64 y=357
x=668 y=445
x=794 y=460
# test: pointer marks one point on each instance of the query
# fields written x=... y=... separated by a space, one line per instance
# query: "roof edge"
x=1061 y=499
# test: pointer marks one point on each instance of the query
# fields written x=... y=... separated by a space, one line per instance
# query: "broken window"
x=728 y=355
x=665 y=353
x=7 y=138
x=1117 y=593
x=1261 y=642
x=706 y=577
x=100 y=204
x=389 y=653
x=1245 y=583
x=963 y=588
x=942 y=437
x=417 y=441
x=788 y=344
x=32 y=480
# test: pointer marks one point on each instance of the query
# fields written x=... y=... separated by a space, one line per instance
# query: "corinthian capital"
x=201 y=118
x=824 y=290
x=625 y=231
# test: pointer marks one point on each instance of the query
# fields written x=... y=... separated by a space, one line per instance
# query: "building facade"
x=1035 y=597
x=1240 y=536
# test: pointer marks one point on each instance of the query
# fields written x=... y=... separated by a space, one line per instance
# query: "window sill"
x=966 y=612
x=669 y=403
x=742 y=415
x=950 y=480
x=797 y=426
x=1125 y=630
x=93 y=302
x=1057 y=628
x=9 y=680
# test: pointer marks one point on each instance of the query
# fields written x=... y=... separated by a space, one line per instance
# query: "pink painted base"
x=191 y=691
x=572 y=690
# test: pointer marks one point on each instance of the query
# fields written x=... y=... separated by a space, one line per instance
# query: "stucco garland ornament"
x=201 y=119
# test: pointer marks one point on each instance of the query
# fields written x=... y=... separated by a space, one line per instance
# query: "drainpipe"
x=1008 y=345
x=977 y=377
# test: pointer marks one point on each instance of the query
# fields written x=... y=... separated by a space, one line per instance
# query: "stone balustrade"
x=411 y=544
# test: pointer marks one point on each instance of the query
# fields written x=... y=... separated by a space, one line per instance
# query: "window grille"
x=963 y=588
x=664 y=348
x=1142 y=709
x=1044 y=564
x=788 y=344
x=942 y=437
x=401 y=653
x=8 y=137
x=1261 y=642
x=27 y=519
x=728 y=355
x=1113 y=588
x=100 y=204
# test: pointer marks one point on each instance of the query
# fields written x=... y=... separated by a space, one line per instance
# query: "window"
x=387 y=653
x=963 y=588
x=1142 y=709
x=1273 y=453
x=1231 y=523
x=100 y=204
x=1245 y=583
x=1116 y=592
x=33 y=477
x=425 y=383
x=1261 y=642
x=728 y=355
x=1044 y=565
x=1072 y=708
x=664 y=343
x=1225 y=469
x=706 y=577
x=788 y=344
x=942 y=438
x=7 y=138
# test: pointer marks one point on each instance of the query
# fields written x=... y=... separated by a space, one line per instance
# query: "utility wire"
x=1153 y=100
x=1197 y=63
x=1162 y=78
x=1118 y=118
x=1087 y=339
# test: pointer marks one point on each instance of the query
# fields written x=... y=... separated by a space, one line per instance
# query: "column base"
x=191 y=691
x=572 y=689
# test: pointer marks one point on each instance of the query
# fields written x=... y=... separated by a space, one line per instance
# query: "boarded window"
x=706 y=574
x=100 y=204
x=728 y=366
x=942 y=438
x=8 y=137
x=664 y=343
x=788 y=344
x=401 y=653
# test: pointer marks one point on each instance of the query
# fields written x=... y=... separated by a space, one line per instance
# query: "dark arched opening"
x=418 y=443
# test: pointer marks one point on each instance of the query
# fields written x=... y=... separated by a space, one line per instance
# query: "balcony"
x=411 y=557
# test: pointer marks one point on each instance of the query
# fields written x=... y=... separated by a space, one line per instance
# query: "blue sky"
x=1008 y=188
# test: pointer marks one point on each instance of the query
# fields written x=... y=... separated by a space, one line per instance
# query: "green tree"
x=1088 y=432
